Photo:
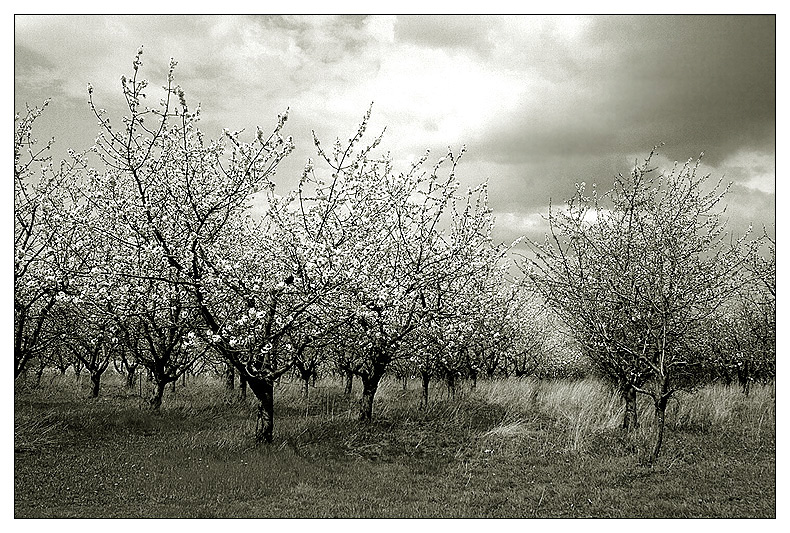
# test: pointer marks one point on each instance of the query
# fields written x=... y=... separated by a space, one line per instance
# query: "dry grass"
x=510 y=448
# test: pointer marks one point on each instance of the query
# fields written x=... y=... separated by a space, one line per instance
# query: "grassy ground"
x=509 y=449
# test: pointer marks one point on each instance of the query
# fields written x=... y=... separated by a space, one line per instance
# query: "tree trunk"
x=370 y=383
x=451 y=385
x=630 y=421
x=305 y=386
x=229 y=376
x=131 y=372
x=95 y=384
x=743 y=377
x=661 y=410
x=473 y=375
x=349 y=381
x=39 y=374
x=426 y=379
x=264 y=426
x=155 y=402
x=242 y=386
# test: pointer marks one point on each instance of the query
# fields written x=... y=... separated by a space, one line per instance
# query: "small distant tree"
x=310 y=339
x=635 y=272
x=93 y=343
x=347 y=364
x=126 y=362
x=563 y=358
x=492 y=334
x=530 y=332
x=58 y=358
x=741 y=335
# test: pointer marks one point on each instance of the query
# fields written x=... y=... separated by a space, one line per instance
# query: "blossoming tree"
x=635 y=272
x=179 y=195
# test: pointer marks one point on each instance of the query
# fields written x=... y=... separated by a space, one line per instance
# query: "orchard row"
x=155 y=259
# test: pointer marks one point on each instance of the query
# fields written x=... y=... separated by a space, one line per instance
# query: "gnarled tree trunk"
x=450 y=379
x=305 y=376
x=370 y=384
x=131 y=373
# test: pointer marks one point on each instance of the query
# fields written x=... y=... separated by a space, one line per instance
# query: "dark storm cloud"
x=698 y=81
x=706 y=83
x=694 y=83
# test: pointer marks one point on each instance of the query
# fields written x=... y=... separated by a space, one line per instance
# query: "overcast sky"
x=540 y=103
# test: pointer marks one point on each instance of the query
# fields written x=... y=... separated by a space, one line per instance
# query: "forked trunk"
x=306 y=386
x=349 y=381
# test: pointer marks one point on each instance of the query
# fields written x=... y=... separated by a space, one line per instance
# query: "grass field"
x=508 y=449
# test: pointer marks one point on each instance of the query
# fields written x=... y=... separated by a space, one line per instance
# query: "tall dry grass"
x=586 y=408
x=576 y=412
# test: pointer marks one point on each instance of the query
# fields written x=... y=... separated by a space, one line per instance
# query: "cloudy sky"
x=540 y=103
